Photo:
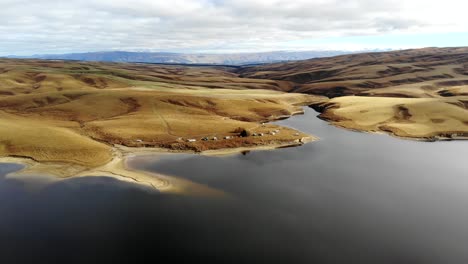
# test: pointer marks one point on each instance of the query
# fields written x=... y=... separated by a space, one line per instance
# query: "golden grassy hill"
x=418 y=93
x=418 y=118
x=76 y=112
x=36 y=76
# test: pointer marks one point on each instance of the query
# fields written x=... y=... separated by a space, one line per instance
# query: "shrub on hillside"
x=242 y=132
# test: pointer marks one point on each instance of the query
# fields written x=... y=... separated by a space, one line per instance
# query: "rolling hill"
x=75 y=112
x=368 y=73
x=421 y=93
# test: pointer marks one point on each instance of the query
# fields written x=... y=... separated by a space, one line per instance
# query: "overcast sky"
x=52 y=26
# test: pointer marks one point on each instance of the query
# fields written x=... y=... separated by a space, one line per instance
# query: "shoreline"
x=326 y=112
x=392 y=134
x=119 y=169
x=41 y=174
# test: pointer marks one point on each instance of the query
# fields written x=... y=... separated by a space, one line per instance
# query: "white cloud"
x=52 y=26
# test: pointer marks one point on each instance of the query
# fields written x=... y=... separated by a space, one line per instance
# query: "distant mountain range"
x=192 y=58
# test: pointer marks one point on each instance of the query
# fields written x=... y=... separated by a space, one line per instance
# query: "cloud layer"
x=52 y=26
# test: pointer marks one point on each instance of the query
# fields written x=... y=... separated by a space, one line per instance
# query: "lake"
x=349 y=198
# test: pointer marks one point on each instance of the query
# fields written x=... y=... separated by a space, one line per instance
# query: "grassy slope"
x=356 y=74
x=427 y=118
x=74 y=112
x=429 y=85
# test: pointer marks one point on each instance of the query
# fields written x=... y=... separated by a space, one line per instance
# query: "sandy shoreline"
x=43 y=174
x=118 y=168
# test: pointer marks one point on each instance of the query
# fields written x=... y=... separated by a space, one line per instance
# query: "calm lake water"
x=348 y=198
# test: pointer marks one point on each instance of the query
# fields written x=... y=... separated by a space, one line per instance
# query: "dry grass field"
x=72 y=112
x=417 y=118
x=419 y=94
x=362 y=74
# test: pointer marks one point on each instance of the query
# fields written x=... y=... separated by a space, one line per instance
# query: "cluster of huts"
x=274 y=132
x=190 y=140
x=207 y=138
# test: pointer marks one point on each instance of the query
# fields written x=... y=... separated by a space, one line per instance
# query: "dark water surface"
x=348 y=198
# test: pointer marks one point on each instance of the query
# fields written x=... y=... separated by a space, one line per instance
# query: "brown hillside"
x=364 y=74
x=76 y=112
x=418 y=93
